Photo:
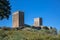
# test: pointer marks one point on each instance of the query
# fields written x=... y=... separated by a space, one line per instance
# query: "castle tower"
x=18 y=19
x=37 y=22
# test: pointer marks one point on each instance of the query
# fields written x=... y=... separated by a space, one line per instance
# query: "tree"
x=4 y=9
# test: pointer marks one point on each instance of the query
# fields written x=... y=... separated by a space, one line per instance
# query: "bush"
x=27 y=35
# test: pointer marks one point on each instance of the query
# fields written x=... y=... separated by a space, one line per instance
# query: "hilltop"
x=28 y=34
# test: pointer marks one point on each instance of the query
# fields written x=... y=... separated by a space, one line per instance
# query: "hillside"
x=26 y=34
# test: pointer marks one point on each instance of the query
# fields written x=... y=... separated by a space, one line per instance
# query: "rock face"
x=18 y=19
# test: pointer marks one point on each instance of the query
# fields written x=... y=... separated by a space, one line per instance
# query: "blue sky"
x=49 y=10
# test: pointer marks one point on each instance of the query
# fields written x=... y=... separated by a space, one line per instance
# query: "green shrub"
x=28 y=35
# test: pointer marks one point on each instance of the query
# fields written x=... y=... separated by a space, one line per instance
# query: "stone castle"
x=18 y=21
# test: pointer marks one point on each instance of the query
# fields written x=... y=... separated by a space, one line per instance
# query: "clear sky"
x=49 y=10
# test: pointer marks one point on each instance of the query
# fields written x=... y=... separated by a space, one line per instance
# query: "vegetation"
x=4 y=9
x=24 y=34
x=32 y=34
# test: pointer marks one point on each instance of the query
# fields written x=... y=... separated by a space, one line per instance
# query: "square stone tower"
x=37 y=22
x=18 y=19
